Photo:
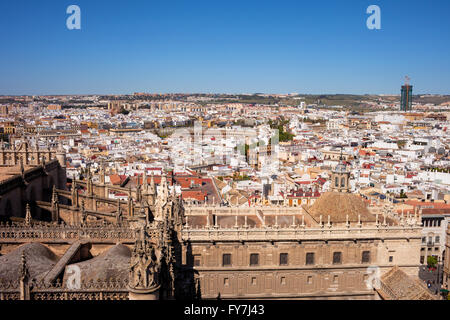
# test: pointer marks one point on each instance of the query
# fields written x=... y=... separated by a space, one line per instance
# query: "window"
x=283 y=280
x=335 y=279
x=226 y=282
x=343 y=182
x=422 y=259
x=424 y=239
x=336 y=182
x=366 y=257
x=226 y=259
x=310 y=258
x=309 y=281
x=437 y=239
x=253 y=281
x=391 y=259
x=254 y=259
x=337 y=257
x=283 y=259
x=197 y=258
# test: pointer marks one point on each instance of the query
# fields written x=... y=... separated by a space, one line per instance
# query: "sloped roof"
x=397 y=285
x=39 y=260
x=113 y=263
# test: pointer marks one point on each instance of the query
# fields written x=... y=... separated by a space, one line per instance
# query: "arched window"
x=336 y=182
x=343 y=182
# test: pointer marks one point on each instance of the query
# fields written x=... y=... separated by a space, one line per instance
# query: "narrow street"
x=431 y=276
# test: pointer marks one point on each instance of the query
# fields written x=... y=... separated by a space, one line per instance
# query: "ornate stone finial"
x=119 y=215
x=174 y=192
x=24 y=273
x=320 y=221
x=144 y=267
x=54 y=195
x=138 y=192
x=144 y=181
x=83 y=214
x=152 y=184
x=419 y=220
x=103 y=173
x=28 y=215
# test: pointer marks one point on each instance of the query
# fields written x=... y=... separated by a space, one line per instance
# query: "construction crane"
x=407 y=80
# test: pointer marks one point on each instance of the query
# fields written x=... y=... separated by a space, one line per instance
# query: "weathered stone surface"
x=39 y=261
x=113 y=263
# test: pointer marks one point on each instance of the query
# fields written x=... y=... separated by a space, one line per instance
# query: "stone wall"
x=273 y=278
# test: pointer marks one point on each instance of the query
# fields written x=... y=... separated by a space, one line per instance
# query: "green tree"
x=432 y=261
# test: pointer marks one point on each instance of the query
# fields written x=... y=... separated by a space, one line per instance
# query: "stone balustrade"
x=298 y=233
x=66 y=233
x=110 y=289
x=223 y=211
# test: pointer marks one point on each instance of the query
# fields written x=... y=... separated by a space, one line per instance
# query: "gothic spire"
x=28 y=215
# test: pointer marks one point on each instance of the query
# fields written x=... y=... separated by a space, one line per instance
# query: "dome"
x=338 y=205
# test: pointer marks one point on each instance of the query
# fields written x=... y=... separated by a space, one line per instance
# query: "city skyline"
x=251 y=47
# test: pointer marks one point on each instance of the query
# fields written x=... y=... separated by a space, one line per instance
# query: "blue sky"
x=224 y=46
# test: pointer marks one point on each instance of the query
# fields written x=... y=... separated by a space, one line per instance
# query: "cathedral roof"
x=338 y=205
x=113 y=263
x=39 y=260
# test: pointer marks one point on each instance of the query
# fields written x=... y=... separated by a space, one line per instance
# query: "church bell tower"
x=340 y=177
